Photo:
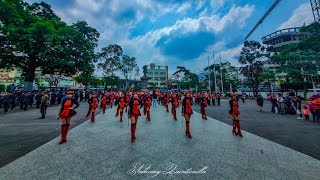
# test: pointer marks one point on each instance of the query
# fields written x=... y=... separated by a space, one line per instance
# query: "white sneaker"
x=299 y=118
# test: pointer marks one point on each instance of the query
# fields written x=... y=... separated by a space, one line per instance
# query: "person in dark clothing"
x=44 y=101
x=260 y=102
x=26 y=100
x=38 y=99
x=53 y=98
x=81 y=96
x=59 y=97
x=31 y=99
x=6 y=102
x=21 y=98
x=76 y=96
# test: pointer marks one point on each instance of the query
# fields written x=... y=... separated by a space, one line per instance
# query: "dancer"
x=148 y=102
x=175 y=105
x=121 y=104
x=94 y=101
x=134 y=113
x=187 y=111
x=104 y=101
x=66 y=114
x=203 y=105
x=167 y=100
x=234 y=111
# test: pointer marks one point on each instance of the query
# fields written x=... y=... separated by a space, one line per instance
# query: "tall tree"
x=110 y=57
x=32 y=37
x=252 y=57
x=128 y=66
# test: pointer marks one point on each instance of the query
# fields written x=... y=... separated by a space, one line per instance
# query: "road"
x=300 y=135
x=22 y=131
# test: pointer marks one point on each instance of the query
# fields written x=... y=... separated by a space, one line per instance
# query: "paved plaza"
x=162 y=151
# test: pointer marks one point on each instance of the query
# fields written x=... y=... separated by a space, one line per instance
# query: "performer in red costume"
x=179 y=98
x=187 y=111
x=148 y=102
x=167 y=101
x=111 y=99
x=127 y=98
x=175 y=105
x=66 y=114
x=121 y=105
x=203 y=105
x=134 y=113
x=104 y=102
x=94 y=101
x=234 y=111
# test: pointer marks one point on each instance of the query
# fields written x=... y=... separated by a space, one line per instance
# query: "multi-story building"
x=158 y=75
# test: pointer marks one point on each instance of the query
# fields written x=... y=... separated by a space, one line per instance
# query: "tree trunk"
x=29 y=78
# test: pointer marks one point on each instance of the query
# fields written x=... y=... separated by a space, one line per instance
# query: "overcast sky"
x=177 y=32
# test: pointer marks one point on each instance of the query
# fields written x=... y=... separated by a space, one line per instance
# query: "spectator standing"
x=260 y=102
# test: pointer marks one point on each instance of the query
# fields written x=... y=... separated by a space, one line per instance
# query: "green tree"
x=187 y=78
x=252 y=56
x=128 y=66
x=32 y=37
x=112 y=81
x=110 y=57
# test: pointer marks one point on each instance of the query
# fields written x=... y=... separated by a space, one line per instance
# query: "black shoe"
x=41 y=117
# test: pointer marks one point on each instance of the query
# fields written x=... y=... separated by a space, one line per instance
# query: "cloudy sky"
x=181 y=32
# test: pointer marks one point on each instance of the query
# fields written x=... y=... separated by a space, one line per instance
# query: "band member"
x=179 y=98
x=44 y=104
x=66 y=114
x=203 y=105
x=111 y=99
x=213 y=97
x=148 y=102
x=234 y=111
x=93 y=102
x=127 y=98
x=134 y=113
x=187 y=111
x=104 y=102
x=121 y=104
x=175 y=105
x=167 y=101
x=144 y=99
x=218 y=98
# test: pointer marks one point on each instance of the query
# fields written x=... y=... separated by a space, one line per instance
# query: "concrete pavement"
x=103 y=151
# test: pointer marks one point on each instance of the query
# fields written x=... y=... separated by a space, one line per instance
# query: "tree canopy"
x=33 y=36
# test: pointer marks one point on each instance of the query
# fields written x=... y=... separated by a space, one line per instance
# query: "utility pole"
x=222 y=89
x=214 y=73
x=209 y=75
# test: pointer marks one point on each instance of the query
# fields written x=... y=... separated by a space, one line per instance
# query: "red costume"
x=234 y=110
x=186 y=110
x=104 y=102
x=65 y=112
x=148 y=103
x=175 y=105
x=121 y=105
x=93 y=102
x=167 y=101
x=203 y=105
x=134 y=111
x=111 y=100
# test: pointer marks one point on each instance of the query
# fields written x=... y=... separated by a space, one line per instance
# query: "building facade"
x=158 y=75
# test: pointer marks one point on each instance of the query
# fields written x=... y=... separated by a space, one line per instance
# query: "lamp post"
x=222 y=89
x=214 y=73
x=209 y=76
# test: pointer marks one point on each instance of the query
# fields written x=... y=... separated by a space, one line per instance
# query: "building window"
x=156 y=79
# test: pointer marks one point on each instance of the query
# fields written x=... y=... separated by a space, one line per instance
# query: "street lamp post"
x=214 y=73
x=222 y=89
x=209 y=76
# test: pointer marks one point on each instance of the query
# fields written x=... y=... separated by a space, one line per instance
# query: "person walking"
x=218 y=98
x=174 y=106
x=135 y=105
x=311 y=108
x=44 y=104
x=297 y=105
x=187 y=111
x=234 y=112
x=66 y=114
x=154 y=99
x=93 y=104
x=203 y=105
x=26 y=100
x=260 y=102
x=38 y=99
